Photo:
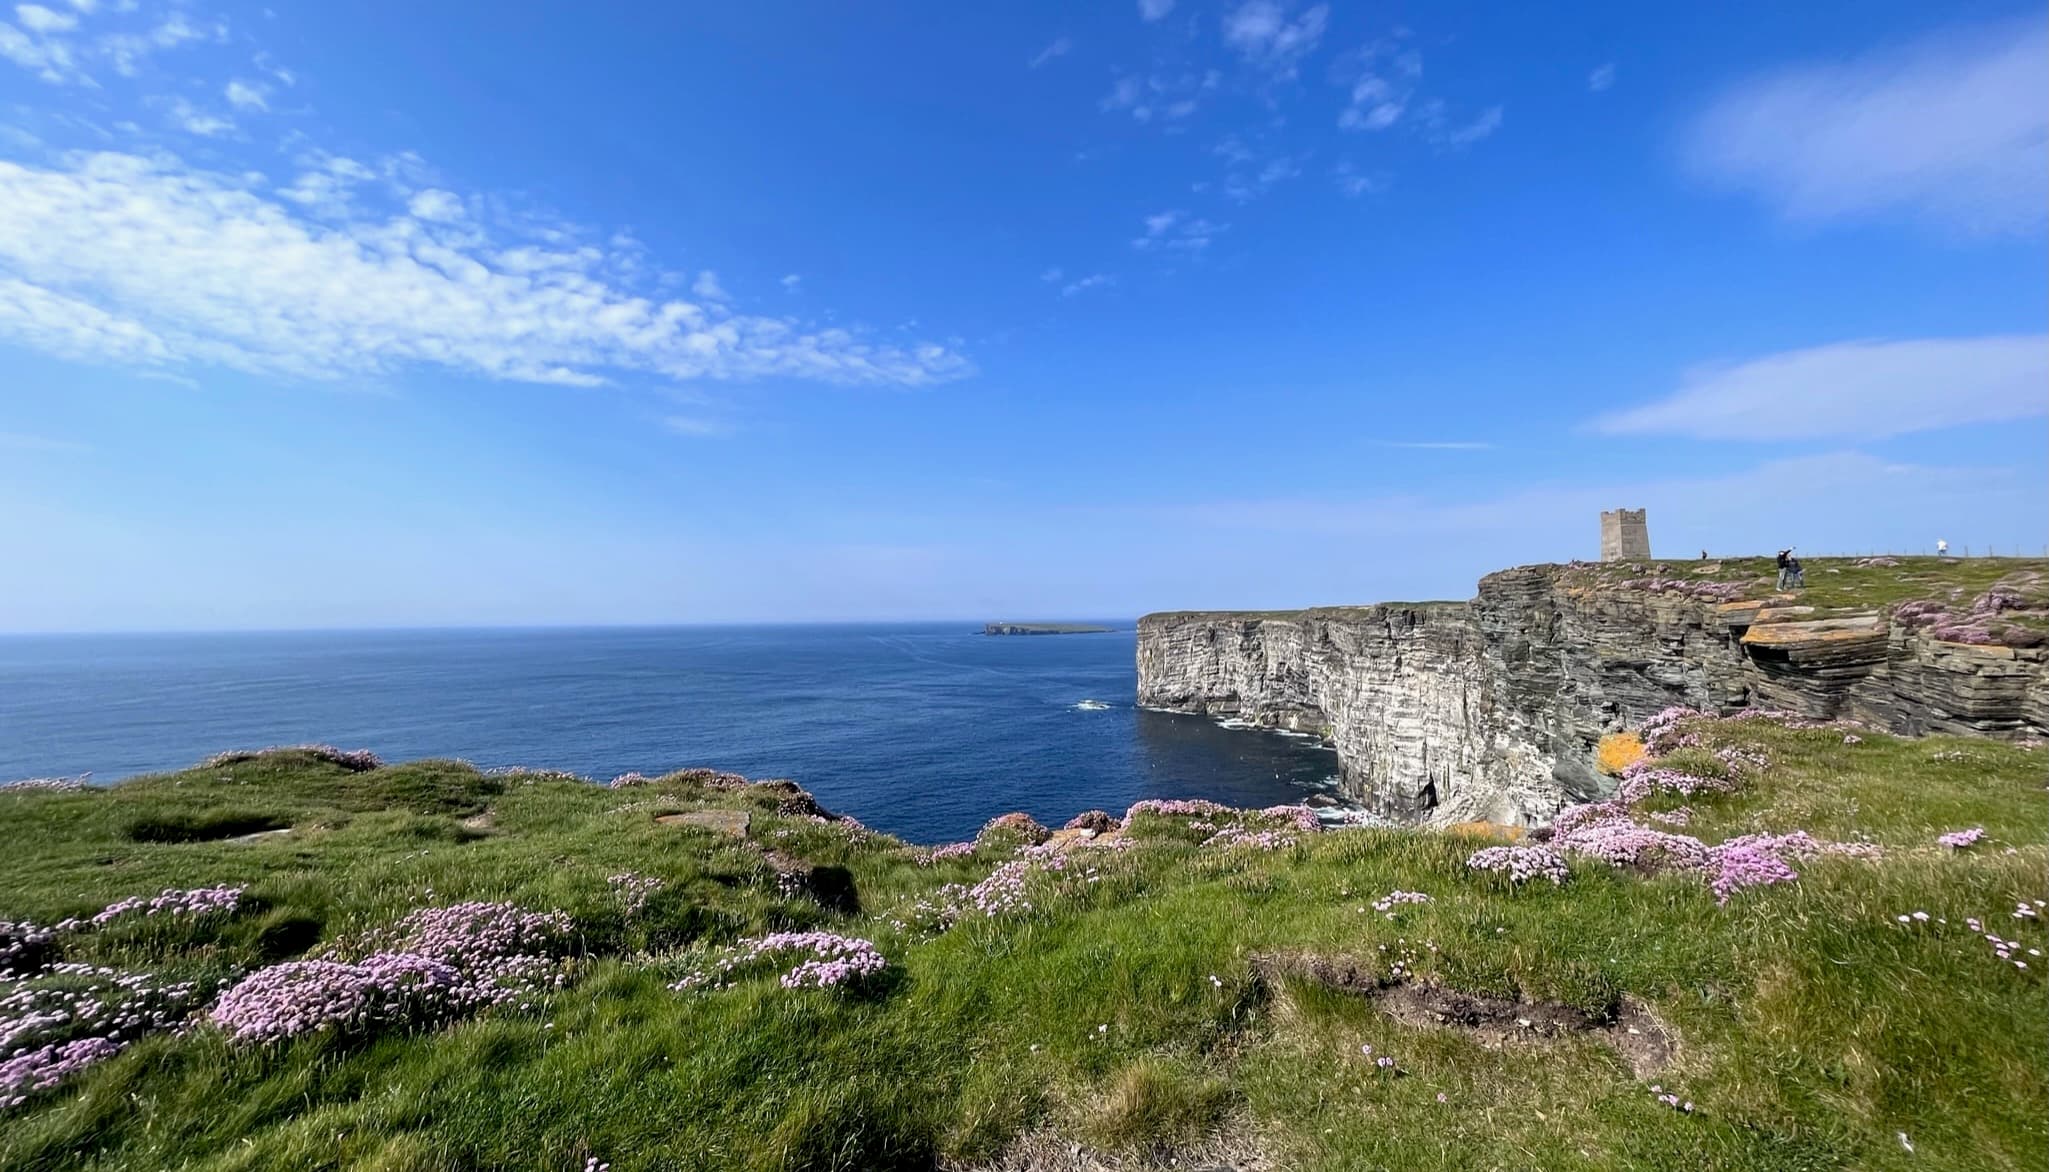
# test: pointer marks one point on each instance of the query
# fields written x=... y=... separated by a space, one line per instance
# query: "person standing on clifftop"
x=1941 y=548
x=1785 y=559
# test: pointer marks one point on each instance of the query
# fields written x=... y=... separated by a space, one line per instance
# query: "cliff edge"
x=1491 y=709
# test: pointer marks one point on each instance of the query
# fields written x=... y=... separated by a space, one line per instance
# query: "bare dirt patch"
x=1048 y=1151
x=1631 y=1029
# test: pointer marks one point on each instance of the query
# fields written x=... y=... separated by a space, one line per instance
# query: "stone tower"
x=1624 y=536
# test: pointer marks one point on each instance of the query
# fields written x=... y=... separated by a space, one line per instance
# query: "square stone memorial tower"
x=1624 y=536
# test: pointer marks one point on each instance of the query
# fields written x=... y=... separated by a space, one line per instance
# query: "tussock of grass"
x=1124 y=1012
x=1154 y=1104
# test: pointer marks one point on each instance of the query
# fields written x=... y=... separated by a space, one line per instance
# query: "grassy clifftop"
x=1189 y=983
x=2011 y=595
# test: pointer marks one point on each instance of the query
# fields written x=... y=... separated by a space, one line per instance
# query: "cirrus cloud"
x=144 y=260
x=1952 y=129
x=1857 y=390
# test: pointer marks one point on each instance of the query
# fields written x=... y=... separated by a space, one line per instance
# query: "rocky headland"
x=1491 y=709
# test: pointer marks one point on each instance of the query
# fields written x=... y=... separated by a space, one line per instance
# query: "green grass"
x=1835 y=583
x=1125 y=1013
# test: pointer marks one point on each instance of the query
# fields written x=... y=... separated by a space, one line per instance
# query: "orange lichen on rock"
x=1617 y=752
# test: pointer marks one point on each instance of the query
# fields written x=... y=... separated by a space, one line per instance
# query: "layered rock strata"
x=1491 y=709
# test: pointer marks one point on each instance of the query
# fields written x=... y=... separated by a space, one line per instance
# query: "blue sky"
x=383 y=314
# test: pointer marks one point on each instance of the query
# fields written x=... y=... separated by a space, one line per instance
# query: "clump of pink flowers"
x=1298 y=816
x=1521 y=863
x=2008 y=951
x=387 y=989
x=1960 y=839
x=1662 y=727
x=354 y=760
x=192 y=904
x=947 y=853
x=1380 y=1062
x=1645 y=779
x=831 y=961
x=67 y=1017
x=1177 y=808
x=1669 y=1099
x=1387 y=904
x=53 y=784
x=1271 y=828
x=534 y=775
x=1238 y=837
x=634 y=889
x=24 y=946
x=1004 y=889
x=441 y=963
x=1608 y=830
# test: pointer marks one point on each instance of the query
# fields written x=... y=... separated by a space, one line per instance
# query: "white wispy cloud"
x=1355 y=183
x=436 y=205
x=1441 y=130
x=1168 y=96
x=38 y=19
x=1265 y=34
x=791 y=281
x=1951 y=129
x=697 y=427
x=1053 y=274
x=57 y=45
x=1602 y=77
x=247 y=95
x=151 y=262
x=1861 y=390
x=1177 y=231
x=193 y=120
x=1059 y=47
x=1248 y=185
x=1151 y=10
x=47 y=57
x=1381 y=78
x=126 y=51
x=72 y=328
x=1084 y=284
x=707 y=286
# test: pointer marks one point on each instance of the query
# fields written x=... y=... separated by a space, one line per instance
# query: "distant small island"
x=1043 y=629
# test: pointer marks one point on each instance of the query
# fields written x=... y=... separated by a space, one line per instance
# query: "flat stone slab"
x=732 y=823
x=1817 y=631
x=1066 y=840
x=260 y=835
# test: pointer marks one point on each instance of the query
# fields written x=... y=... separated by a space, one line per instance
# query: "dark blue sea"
x=923 y=730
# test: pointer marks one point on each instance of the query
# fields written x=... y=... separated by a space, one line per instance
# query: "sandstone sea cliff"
x=1491 y=709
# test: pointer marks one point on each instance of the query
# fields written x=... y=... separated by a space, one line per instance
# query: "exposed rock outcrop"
x=1490 y=710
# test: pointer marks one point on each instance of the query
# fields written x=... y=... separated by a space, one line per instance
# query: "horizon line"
x=424 y=628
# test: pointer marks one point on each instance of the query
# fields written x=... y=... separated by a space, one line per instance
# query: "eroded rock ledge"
x=1491 y=709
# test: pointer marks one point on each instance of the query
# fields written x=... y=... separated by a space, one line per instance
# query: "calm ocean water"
x=923 y=730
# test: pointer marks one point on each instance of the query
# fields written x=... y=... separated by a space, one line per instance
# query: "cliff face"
x=1491 y=709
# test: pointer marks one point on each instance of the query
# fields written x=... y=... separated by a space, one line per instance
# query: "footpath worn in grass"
x=1124 y=998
